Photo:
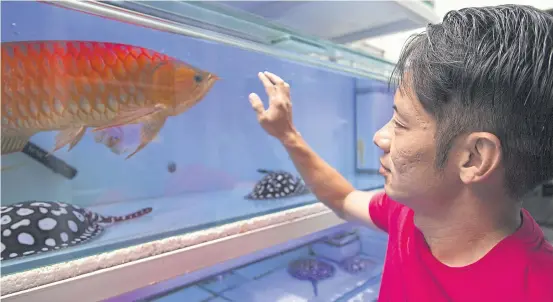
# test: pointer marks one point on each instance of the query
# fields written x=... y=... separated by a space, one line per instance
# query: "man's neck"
x=468 y=228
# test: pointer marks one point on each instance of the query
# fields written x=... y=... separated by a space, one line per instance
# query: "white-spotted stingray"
x=277 y=184
x=33 y=227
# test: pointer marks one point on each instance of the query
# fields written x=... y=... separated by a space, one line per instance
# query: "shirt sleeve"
x=383 y=211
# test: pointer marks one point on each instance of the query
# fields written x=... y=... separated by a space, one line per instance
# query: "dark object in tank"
x=172 y=167
x=277 y=184
x=50 y=161
x=33 y=227
x=309 y=269
x=356 y=264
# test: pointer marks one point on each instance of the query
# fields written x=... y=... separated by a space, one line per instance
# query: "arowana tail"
x=112 y=219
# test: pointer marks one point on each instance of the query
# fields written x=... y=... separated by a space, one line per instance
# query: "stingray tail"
x=302 y=189
x=315 y=287
x=249 y=196
x=113 y=219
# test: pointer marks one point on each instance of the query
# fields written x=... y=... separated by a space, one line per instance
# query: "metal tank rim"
x=115 y=11
x=106 y=275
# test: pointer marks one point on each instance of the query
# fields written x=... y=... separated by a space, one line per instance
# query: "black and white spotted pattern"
x=277 y=184
x=33 y=227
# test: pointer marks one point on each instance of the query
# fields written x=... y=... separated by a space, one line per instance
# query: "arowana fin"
x=13 y=144
x=71 y=136
x=131 y=115
x=99 y=137
x=150 y=128
x=157 y=139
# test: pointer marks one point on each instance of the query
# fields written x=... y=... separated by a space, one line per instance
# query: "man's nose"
x=382 y=138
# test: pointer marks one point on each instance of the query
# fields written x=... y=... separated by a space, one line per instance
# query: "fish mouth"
x=214 y=77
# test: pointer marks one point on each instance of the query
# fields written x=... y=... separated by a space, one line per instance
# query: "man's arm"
x=327 y=184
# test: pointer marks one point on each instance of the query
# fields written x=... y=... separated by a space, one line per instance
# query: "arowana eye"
x=198 y=78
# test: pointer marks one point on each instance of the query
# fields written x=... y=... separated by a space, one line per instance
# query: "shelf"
x=254 y=275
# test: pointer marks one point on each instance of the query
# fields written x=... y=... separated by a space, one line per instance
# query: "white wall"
x=392 y=44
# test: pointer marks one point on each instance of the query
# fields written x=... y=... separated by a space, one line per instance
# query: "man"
x=472 y=132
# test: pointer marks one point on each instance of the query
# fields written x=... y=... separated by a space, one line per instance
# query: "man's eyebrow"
x=398 y=113
x=395 y=109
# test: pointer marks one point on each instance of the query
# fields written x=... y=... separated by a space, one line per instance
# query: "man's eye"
x=397 y=124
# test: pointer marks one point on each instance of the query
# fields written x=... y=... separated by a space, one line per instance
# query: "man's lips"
x=383 y=169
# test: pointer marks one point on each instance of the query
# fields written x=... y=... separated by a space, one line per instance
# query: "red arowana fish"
x=70 y=86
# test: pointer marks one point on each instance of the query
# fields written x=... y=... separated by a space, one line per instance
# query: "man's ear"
x=480 y=156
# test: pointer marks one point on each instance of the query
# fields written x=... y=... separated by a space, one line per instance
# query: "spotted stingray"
x=277 y=184
x=311 y=269
x=33 y=227
x=356 y=264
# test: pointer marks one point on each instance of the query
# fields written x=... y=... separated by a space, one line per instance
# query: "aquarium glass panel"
x=344 y=265
x=370 y=97
x=116 y=134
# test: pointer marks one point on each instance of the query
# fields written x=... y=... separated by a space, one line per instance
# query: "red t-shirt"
x=518 y=269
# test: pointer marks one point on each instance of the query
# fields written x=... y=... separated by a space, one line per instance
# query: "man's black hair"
x=488 y=69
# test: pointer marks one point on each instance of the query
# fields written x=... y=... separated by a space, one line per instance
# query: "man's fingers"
x=286 y=90
x=282 y=87
x=269 y=87
x=274 y=78
x=275 y=87
x=257 y=104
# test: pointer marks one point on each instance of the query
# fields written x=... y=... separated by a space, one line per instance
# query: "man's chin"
x=393 y=193
x=388 y=189
x=398 y=196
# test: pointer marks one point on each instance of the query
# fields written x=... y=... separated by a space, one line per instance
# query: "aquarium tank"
x=127 y=132
x=342 y=264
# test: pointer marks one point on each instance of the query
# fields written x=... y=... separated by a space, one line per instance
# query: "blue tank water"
x=204 y=162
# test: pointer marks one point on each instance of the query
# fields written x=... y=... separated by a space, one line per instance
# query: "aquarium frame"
x=114 y=281
x=247 y=237
x=185 y=280
x=143 y=15
x=358 y=168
